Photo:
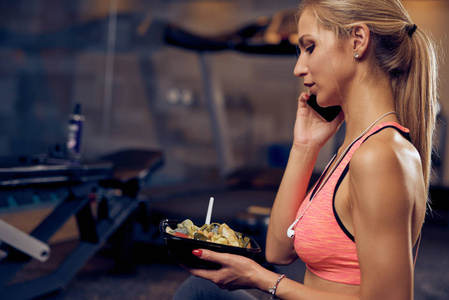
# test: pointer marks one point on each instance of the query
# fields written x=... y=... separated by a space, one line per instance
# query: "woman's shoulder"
x=388 y=147
x=387 y=158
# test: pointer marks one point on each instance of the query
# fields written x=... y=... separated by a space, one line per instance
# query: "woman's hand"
x=237 y=272
x=310 y=128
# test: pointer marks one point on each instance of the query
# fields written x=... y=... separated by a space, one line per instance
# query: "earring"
x=356 y=55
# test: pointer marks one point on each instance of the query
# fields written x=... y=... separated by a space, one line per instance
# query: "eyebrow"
x=301 y=39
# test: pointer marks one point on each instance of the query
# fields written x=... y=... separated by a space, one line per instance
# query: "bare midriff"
x=313 y=281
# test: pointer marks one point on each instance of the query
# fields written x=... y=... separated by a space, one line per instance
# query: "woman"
x=357 y=227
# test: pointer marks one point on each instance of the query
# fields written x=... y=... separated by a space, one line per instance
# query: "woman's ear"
x=360 y=37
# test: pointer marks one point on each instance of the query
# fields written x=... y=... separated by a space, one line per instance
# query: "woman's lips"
x=311 y=89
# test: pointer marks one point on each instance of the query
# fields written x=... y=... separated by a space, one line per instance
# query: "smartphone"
x=328 y=113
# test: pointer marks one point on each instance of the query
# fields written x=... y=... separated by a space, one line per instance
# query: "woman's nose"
x=300 y=69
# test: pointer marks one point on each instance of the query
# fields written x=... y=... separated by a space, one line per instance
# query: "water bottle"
x=74 y=134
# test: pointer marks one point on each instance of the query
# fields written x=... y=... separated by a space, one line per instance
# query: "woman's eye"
x=310 y=49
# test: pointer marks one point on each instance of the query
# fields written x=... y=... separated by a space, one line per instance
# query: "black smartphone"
x=328 y=113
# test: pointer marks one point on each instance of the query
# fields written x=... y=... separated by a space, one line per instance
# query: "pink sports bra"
x=321 y=240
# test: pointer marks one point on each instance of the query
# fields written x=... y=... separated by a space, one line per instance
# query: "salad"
x=215 y=233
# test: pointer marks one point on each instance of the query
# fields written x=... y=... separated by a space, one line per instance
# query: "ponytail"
x=415 y=93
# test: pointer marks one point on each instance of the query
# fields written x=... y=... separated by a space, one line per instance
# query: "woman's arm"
x=293 y=188
x=387 y=198
x=310 y=134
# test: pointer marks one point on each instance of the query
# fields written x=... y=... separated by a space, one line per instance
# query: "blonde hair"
x=406 y=54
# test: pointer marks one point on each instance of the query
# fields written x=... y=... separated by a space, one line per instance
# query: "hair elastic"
x=412 y=30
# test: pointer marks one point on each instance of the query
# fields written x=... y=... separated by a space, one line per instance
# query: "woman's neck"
x=366 y=101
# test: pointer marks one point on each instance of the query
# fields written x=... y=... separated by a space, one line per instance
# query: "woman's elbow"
x=277 y=258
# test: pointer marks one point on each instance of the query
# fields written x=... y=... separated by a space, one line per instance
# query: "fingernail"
x=197 y=252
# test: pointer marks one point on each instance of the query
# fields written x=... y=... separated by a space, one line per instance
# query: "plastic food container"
x=180 y=248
